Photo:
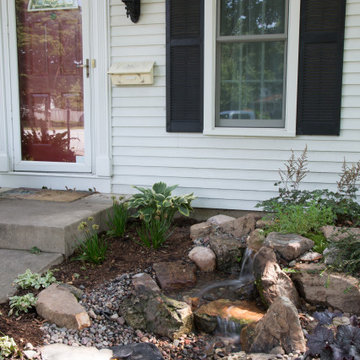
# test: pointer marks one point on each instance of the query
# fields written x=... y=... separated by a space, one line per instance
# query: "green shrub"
x=320 y=241
x=92 y=247
x=118 y=217
x=297 y=219
x=34 y=280
x=347 y=250
x=156 y=208
x=21 y=303
x=8 y=347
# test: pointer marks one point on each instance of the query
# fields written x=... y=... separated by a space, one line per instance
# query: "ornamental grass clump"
x=156 y=208
x=92 y=247
x=118 y=217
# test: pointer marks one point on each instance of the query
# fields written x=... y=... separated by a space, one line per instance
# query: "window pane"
x=252 y=17
x=251 y=84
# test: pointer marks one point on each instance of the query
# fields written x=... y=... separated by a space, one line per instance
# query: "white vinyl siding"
x=224 y=172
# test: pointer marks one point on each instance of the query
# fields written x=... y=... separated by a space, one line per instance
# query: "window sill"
x=251 y=132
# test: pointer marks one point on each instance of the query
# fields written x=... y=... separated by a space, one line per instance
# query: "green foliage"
x=156 y=208
x=34 y=280
x=320 y=241
x=345 y=209
x=118 y=217
x=347 y=253
x=154 y=233
x=297 y=219
x=92 y=247
x=8 y=347
x=21 y=303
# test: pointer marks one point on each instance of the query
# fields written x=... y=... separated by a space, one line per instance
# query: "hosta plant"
x=156 y=208
x=21 y=303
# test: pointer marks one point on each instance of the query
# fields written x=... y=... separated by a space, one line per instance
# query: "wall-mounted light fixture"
x=132 y=9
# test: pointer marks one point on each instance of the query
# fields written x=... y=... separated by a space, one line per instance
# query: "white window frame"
x=210 y=23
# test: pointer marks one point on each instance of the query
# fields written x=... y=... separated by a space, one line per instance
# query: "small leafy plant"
x=34 y=280
x=347 y=253
x=92 y=247
x=8 y=347
x=299 y=219
x=118 y=217
x=156 y=208
x=21 y=303
x=343 y=345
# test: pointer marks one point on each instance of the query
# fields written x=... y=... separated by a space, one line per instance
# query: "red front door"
x=50 y=56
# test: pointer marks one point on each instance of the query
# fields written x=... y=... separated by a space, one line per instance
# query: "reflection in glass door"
x=50 y=58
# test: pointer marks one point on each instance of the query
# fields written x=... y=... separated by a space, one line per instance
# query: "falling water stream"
x=226 y=327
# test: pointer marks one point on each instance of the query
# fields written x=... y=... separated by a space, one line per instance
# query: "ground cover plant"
x=34 y=280
x=328 y=343
x=8 y=347
x=22 y=303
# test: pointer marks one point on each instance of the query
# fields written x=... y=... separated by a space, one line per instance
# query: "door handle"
x=86 y=66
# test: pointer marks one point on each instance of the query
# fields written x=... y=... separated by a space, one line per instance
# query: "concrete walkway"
x=15 y=262
x=52 y=227
x=49 y=226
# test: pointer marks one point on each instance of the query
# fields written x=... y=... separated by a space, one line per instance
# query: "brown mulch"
x=123 y=255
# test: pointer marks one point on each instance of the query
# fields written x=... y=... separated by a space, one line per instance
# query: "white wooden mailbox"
x=132 y=73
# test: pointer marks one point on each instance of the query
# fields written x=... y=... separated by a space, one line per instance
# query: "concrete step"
x=15 y=262
x=49 y=226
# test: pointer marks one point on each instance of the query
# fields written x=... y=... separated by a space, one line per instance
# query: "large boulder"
x=204 y=258
x=280 y=327
x=175 y=275
x=200 y=230
x=148 y=309
x=289 y=246
x=228 y=251
x=241 y=227
x=270 y=280
x=58 y=305
x=334 y=233
x=239 y=312
x=319 y=287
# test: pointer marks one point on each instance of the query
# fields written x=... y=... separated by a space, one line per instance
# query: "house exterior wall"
x=224 y=172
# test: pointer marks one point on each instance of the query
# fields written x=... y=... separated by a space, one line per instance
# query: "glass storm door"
x=53 y=71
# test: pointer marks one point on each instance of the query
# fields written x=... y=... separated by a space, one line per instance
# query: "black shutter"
x=184 y=65
x=320 y=66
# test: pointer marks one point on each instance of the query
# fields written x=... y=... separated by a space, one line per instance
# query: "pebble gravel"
x=109 y=329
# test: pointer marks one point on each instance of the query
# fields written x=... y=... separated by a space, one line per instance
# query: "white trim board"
x=98 y=102
x=210 y=21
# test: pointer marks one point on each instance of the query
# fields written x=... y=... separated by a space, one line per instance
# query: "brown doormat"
x=44 y=194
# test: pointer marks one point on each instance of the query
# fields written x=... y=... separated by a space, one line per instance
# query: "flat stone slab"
x=175 y=275
x=50 y=226
x=64 y=352
x=142 y=351
x=15 y=262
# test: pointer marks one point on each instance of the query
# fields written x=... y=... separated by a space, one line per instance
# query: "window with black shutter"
x=320 y=67
x=184 y=65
